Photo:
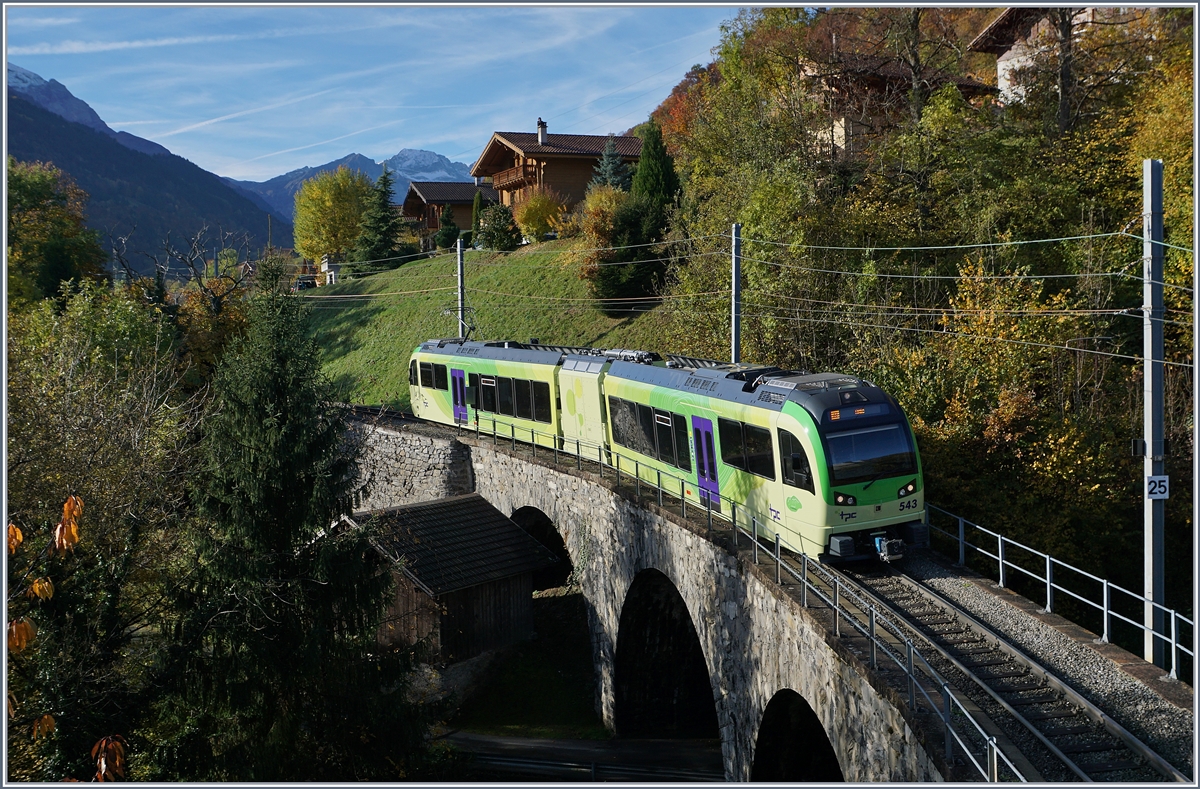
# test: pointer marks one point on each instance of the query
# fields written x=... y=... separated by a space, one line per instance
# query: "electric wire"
x=980 y=245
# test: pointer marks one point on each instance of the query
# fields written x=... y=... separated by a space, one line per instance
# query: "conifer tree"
x=476 y=210
x=655 y=178
x=611 y=170
x=448 y=233
x=276 y=673
x=378 y=241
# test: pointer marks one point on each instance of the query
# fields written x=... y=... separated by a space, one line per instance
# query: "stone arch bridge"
x=689 y=638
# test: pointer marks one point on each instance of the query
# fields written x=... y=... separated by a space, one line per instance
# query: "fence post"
x=1104 y=637
x=837 y=624
x=637 y=472
x=659 y=486
x=804 y=580
x=754 y=529
x=874 y=657
x=1174 y=642
x=962 y=543
x=617 y=465
x=1003 y=569
x=733 y=520
x=912 y=680
x=1049 y=584
x=946 y=702
x=708 y=506
x=993 y=766
x=777 y=568
x=578 y=456
x=682 y=500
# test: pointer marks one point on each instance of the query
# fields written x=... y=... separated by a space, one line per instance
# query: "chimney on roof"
x=541 y=132
x=477 y=180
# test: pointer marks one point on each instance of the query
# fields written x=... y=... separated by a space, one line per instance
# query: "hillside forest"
x=923 y=254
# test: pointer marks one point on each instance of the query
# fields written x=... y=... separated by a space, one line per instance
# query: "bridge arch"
x=792 y=744
x=662 y=683
x=539 y=526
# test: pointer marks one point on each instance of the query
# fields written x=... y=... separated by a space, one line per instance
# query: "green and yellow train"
x=827 y=461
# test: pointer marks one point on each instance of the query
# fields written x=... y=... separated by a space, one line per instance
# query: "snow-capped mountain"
x=408 y=165
x=54 y=97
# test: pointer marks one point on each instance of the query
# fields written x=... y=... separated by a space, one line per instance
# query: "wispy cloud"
x=41 y=21
x=250 y=111
x=322 y=142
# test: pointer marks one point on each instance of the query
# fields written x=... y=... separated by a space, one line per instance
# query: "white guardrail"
x=926 y=688
x=1105 y=589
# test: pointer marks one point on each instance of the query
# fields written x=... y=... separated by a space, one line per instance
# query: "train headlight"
x=842 y=498
x=907 y=490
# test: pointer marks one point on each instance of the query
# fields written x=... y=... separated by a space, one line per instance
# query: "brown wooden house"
x=425 y=201
x=464 y=577
x=518 y=162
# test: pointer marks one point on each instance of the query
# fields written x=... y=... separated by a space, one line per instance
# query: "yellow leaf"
x=20 y=634
x=41 y=587
x=14 y=537
x=43 y=726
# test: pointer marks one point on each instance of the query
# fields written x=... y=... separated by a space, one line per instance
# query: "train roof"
x=749 y=384
x=757 y=385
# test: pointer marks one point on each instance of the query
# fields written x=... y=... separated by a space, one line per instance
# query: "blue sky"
x=253 y=92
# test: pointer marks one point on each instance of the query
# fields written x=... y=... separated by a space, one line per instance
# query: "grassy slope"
x=368 y=327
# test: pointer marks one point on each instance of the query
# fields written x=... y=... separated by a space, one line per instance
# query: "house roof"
x=1003 y=31
x=443 y=192
x=495 y=156
x=876 y=68
x=458 y=542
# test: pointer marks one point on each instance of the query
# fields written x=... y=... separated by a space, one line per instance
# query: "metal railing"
x=1046 y=577
x=845 y=603
x=520 y=175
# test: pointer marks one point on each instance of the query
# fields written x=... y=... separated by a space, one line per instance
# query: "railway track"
x=1073 y=739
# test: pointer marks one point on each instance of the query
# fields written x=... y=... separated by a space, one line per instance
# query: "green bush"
x=497 y=230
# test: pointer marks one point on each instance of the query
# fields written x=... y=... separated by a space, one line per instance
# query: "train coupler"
x=889 y=550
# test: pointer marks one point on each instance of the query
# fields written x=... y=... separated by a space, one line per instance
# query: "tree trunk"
x=1062 y=18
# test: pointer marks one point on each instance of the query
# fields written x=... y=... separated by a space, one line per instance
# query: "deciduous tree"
x=329 y=212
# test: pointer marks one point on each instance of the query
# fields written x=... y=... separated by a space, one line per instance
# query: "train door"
x=706 y=462
x=458 y=393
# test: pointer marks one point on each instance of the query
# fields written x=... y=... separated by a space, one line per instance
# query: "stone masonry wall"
x=756 y=639
x=411 y=464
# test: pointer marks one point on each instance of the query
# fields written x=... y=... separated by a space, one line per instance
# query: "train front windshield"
x=870 y=453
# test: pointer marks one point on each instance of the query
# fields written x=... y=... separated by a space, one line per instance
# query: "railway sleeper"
x=1092 y=747
x=1035 y=700
x=1095 y=768
x=1065 y=731
x=1052 y=714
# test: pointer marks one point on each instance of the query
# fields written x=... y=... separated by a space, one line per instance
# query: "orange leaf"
x=20 y=633
x=43 y=726
x=41 y=587
x=14 y=537
x=109 y=753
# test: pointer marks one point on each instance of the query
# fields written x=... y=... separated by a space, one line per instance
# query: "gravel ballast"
x=1163 y=726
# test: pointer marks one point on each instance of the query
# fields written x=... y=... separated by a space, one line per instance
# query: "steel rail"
x=1087 y=708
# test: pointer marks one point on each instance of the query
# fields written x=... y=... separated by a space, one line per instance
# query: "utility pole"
x=462 y=291
x=735 y=333
x=1155 y=488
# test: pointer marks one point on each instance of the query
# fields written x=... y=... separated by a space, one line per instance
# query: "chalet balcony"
x=516 y=177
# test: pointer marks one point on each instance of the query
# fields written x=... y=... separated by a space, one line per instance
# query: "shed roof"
x=458 y=542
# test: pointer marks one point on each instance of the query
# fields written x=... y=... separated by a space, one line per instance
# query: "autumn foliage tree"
x=329 y=212
x=97 y=453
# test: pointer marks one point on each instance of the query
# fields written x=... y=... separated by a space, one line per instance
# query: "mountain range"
x=135 y=182
x=408 y=165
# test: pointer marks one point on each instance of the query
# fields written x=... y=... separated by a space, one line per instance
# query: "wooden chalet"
x=518 y=162
x=464 y=577
x=425 y=201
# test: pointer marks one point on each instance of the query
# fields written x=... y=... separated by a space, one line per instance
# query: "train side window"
x=733 y=448
x=473 y=386
x=665 y=435
x=522 y=399
x=793 y=460
x=760 y=459
x=541 y=402
x=439 y=377
x=683 y=455
x=504 y=396
x=487 y=390
x=426 y=375
x=646 y=438
x=412 y=373
x=701 y=466
x=623 y=417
